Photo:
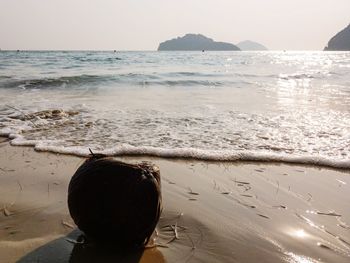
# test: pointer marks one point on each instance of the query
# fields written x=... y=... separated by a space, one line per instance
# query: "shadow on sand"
x=64 y=250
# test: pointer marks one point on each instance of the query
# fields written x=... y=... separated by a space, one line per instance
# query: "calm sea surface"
x=279 y=106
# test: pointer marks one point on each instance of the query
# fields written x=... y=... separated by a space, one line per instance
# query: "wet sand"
x=222 y=212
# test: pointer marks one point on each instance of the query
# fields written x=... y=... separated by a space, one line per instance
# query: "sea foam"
x=183 y=153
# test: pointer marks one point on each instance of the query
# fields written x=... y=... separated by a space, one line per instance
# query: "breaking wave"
x=131 y=79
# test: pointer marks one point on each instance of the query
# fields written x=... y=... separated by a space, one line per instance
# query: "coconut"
x=113 y=201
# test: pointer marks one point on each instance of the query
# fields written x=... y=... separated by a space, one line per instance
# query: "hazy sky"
x=142 y=24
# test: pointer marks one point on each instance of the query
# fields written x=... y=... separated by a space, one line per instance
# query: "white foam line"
x=182 y=153
x=191 y=153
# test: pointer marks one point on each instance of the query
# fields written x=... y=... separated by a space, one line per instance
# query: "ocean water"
x=251 y=106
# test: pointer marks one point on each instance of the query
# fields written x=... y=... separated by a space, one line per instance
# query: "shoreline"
x=308 y=161
x=228 y=211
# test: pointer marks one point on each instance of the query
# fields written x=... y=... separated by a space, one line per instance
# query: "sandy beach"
x=222 y=212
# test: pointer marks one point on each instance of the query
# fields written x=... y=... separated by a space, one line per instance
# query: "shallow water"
x=266 y=106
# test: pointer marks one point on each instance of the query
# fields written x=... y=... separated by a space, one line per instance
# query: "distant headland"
x=195 y=42
x=341 y=41
x=249 y=45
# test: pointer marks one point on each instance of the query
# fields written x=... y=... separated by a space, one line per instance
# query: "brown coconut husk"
x=113 y=201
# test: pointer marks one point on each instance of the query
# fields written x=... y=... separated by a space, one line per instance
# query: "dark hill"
x=340 y=41
x=193 y=42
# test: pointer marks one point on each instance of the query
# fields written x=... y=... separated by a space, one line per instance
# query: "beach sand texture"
x=213 y=212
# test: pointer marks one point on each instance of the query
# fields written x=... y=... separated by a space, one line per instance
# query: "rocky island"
x=249 y=45
x=341 y=41
x=195 y=42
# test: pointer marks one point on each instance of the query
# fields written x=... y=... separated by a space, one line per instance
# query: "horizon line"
x=152 y=50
